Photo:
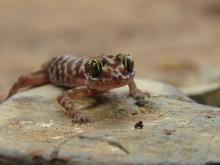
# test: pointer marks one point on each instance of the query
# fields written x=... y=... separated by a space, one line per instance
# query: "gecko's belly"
x=66 y=71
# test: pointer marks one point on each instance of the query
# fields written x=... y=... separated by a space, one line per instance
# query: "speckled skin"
x=74 y=73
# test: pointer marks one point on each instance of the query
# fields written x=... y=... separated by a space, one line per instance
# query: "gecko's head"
x=106 y=72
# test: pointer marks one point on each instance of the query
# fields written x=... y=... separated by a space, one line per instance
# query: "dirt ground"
x=161 y=35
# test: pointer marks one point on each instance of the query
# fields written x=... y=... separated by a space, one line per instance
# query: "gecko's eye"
x=95 y=68
x=126 y=60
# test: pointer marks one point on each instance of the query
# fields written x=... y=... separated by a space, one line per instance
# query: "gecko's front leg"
x=135 y=92
x=66 y=100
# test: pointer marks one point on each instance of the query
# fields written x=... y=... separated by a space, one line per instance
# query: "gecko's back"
x=66 y=71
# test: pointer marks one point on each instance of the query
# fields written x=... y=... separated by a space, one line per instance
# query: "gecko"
x=85 y=76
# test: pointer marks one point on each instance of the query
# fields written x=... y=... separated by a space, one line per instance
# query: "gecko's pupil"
x=95 y=68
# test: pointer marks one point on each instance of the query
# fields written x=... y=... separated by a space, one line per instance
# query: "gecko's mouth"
x=114 y=81
x=114 y=78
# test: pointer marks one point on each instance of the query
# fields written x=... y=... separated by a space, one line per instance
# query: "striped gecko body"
x=67 y=71
x=86 y=76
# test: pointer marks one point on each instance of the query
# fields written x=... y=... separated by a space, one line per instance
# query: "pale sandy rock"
x=35 y=129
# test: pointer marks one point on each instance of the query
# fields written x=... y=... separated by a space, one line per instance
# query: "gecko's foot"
x=141 y=99
x=80 y=118
x=138 y=94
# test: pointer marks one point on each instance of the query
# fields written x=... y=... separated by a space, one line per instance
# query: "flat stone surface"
x=35 y=129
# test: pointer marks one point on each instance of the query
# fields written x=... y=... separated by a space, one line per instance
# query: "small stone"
x=169 y=132
x=139 y=125
x=134 y=113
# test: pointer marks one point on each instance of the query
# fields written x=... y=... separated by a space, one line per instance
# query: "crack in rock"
x=112 y=143
x=55 y=153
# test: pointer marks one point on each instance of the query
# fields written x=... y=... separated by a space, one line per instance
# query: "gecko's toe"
x=80 y=118
x=147 y=94
x=138 y=94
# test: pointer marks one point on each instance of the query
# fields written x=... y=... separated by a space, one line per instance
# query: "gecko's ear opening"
x=95 y=68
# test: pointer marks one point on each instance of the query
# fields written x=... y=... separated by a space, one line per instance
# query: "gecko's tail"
x=33 y=79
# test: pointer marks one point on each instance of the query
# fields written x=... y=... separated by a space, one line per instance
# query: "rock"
x=208 y=93
x=36 y=130
x=200 y=84
x=185 y=75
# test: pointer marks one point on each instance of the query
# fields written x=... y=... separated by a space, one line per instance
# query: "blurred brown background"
x=172 y=36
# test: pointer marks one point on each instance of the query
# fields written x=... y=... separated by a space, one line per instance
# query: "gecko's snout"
x=116 y=76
